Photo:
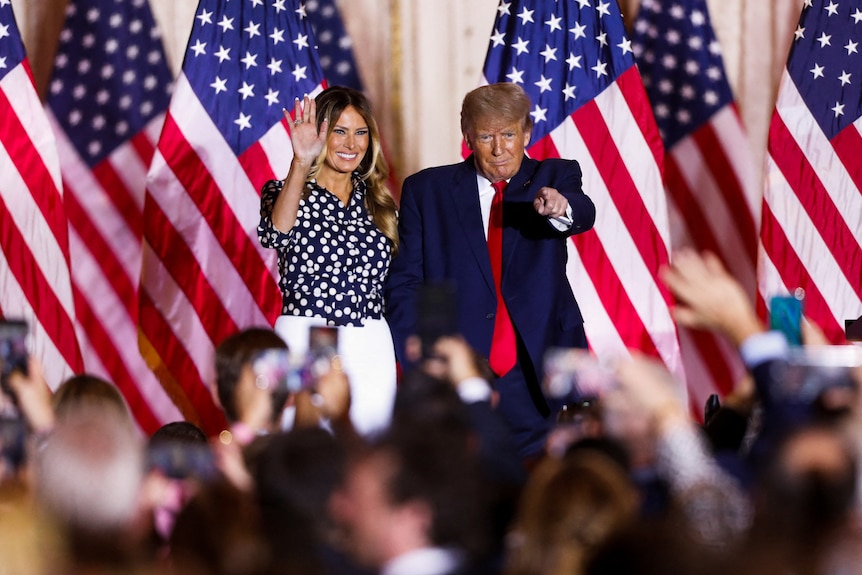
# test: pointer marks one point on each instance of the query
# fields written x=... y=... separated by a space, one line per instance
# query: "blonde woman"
x=334 y=225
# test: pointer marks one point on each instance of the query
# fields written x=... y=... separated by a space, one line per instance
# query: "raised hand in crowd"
x=708 y=297
x=455 y=361
x=712 y=503
x=328 y=403
x=33 y=397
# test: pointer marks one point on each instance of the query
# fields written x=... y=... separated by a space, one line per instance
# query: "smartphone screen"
x=322 y=347
x=13 y=352
x=323 y=340
x=436 y=314
x=272 y=369
x=785 y=315
x=182 y=460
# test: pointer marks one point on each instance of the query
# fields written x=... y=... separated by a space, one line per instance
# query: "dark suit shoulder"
x=558 y=165
x=437 y=172
x=564 y=175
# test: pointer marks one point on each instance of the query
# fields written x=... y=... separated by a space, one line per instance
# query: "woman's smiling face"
x=347 y=141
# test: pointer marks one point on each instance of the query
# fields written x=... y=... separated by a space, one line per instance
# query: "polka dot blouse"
x=334 y=260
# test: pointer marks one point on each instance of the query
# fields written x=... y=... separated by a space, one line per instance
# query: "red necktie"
x=503 y=346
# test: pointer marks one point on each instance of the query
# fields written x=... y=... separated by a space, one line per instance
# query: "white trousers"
x=368 y=357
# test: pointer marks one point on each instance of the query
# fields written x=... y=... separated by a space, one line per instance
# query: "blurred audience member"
x=295 y=476
x=805 y=504
x=710 y=298
x=710 y=500
x=182 y=432
x=569 y=506
x=410 y=504
x=255 y=394
x=89 y=476
x=252 y=402
x=653 y=547
x=85 y=390
x=451 y=391
x=179 y=461
x=219 y=533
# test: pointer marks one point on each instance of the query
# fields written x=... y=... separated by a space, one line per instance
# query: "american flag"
x=713 y=196
x=35 y=282
x=811 y=231
x=575 y=61
x=335 y=51
x=107 y=99
x=205 y=275
x=334 y=47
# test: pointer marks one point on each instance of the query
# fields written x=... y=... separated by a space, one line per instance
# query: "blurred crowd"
x=633 y=479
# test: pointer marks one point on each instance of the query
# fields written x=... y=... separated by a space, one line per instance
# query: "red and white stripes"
x=613 y=268
x=35 y=281
x=205 y=274
x=714 y=204
x=811 y=230
x=104 y=206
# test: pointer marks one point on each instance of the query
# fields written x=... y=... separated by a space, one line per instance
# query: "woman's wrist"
x=303 y=164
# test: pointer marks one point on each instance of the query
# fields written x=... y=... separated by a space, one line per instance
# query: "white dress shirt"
x=425 y=561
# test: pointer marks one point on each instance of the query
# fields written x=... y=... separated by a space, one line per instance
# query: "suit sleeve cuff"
x=474 y=390
x=762 y=347
x=563 y=223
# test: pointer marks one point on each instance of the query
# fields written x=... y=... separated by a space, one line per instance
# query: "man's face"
x=364 y=512
x=498 y=147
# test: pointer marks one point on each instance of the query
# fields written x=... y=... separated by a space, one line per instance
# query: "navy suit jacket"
x=442 y=239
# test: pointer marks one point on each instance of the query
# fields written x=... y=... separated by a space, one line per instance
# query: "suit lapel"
x=518 y=188
x=464 y=195
x=518 y=191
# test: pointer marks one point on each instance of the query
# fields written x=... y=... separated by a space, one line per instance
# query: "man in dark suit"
x=507 y=258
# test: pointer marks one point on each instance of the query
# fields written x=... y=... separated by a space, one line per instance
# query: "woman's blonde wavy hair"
x=373 y=168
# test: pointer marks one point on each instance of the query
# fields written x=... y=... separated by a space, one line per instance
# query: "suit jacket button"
x=489 y=316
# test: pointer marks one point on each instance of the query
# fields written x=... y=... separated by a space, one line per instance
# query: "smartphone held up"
x=13 y=357
x=573 y=374
x=785 y=316
x=281 y=371
x=436 y=314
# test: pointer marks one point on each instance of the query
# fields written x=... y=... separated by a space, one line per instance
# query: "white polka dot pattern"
x=334 y=261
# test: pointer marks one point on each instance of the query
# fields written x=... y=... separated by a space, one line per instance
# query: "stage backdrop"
x=417 y=60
